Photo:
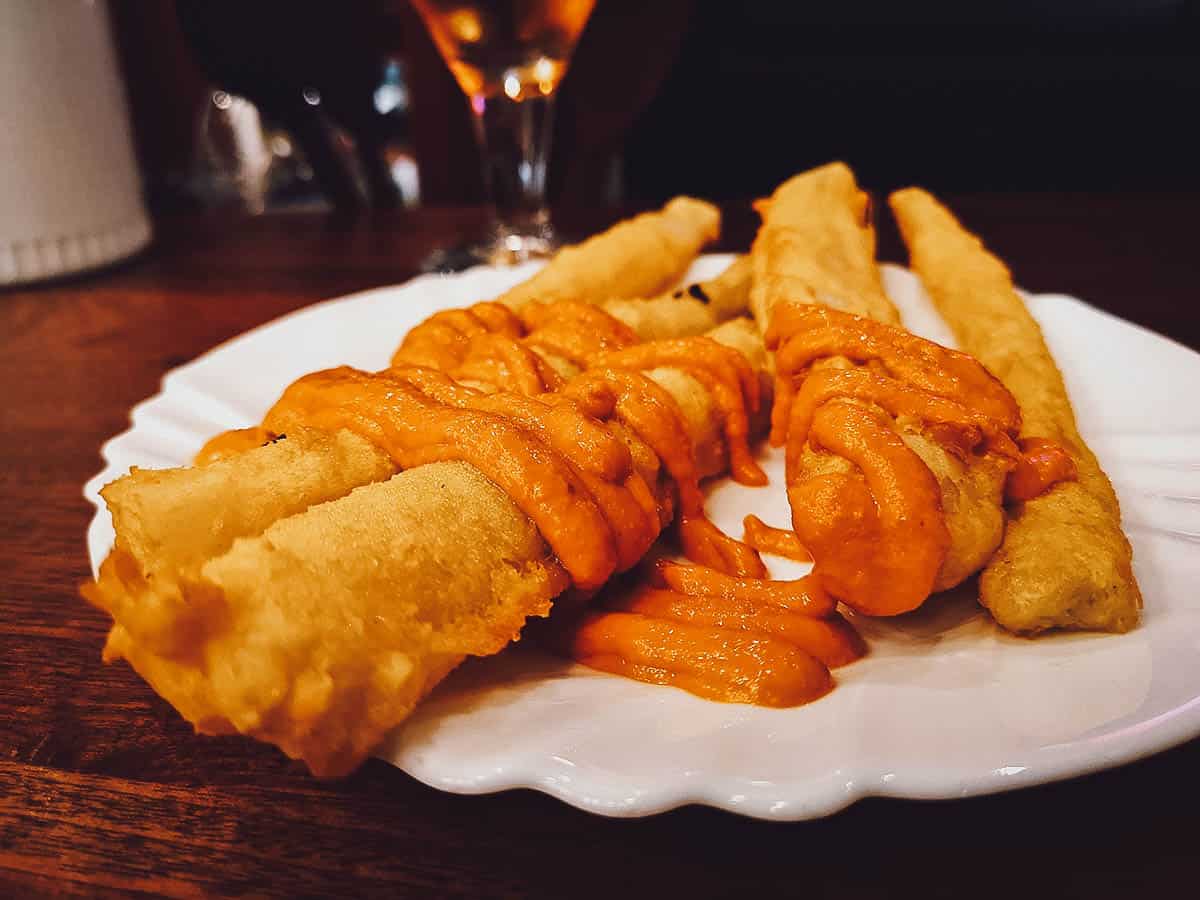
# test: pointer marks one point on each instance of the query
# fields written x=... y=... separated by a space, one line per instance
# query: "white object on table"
x=70 y=196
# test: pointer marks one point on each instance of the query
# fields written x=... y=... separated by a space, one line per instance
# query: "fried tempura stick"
x=691 y=310
x=169 y=522
x=236 y=649
x=817 y=247
x=640 y=257
x=728 y=295
x=324 y=630
x=1064 y=561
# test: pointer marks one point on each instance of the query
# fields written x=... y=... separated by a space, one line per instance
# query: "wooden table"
x=104 y=788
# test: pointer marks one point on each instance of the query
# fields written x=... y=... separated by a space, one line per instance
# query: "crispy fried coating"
x=640 y=257
x=304 y=594
x=703 y=419
x=817 y=246
x=1064 y=562
x=677 y=313
x=320 y=630
x=728 y=294
x=690 y=310
x=325 y=630
x=972 y=506
x=168 y=522
x=742 y=335
x=661 y=317
x=672 y=315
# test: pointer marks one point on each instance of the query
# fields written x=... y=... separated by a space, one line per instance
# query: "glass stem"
x=514 y=140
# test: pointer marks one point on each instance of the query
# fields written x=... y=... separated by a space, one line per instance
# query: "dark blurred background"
x=724 y=100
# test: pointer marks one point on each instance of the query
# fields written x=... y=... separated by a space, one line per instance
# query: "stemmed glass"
x=509 y=57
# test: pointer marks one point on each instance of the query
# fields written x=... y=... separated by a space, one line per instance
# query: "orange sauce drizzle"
x=1042 y=465
x=878 y=539
x=652 y=413
x=762 y=537
x=489 y=343
x=805 y=595
x=878 y=535
x=506 y=363
x=442 y=340
x=231 y=443
x=719 y=663
x=582 y=459
x=575 y=331
x=829 y=638
x=551 y=452
x=723 y=372
x=704 y=543
x=595 y=524
x=803 y=334
x=724 y=637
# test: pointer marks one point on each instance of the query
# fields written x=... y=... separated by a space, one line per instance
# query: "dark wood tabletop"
x=105 y=789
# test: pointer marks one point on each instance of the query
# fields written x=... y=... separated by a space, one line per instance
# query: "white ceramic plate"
x=944 y=706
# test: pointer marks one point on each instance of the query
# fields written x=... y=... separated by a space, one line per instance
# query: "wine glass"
x=509 y=57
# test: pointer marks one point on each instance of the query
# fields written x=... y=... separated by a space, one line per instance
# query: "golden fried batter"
x=318 y=630
x=662 y=317
x=817 y=246
x=640 y=257
x=1064 y=562
x=255 y=606
x=727 y=295
x=691 y=310
x=169 y=522
x=325 y=630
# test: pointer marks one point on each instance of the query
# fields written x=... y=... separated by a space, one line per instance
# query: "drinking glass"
x=509 y=57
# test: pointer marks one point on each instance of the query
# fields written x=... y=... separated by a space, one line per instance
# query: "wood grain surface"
x=104 y=790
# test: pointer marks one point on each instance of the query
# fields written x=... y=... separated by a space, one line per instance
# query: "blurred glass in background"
x=509 y=57
x=390 y=124
x=247 y=162
x=303 y=111
x=701 y=96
